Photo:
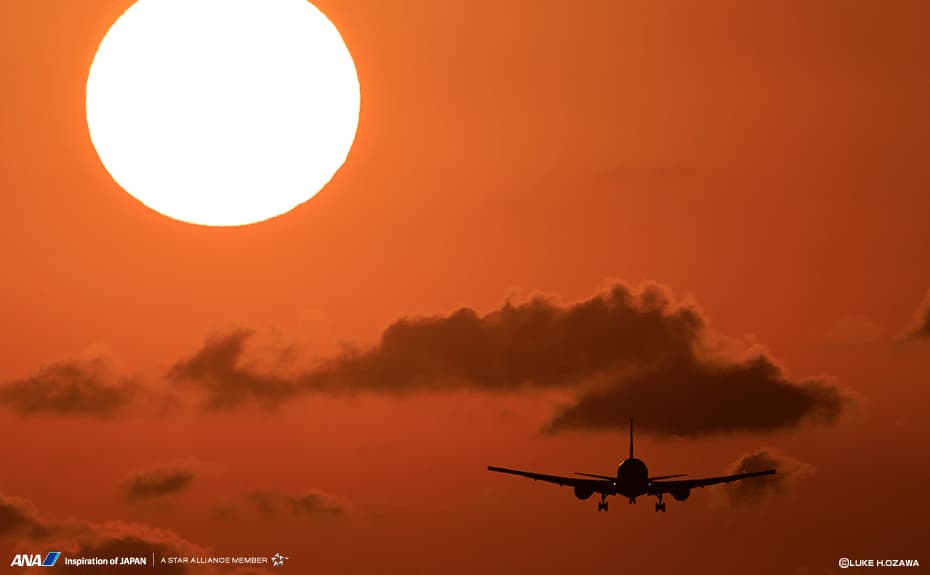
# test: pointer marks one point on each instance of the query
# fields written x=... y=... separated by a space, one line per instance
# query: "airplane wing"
x=657 y=487
x=608 y=477
x=595 y=485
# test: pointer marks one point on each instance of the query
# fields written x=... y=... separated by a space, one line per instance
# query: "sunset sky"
x=711 y=216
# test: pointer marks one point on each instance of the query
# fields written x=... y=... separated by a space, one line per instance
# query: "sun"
x=222 y=112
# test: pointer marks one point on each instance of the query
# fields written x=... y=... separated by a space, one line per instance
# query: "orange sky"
x=767 y=159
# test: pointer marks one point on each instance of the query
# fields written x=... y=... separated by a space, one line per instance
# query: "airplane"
x=632 y=481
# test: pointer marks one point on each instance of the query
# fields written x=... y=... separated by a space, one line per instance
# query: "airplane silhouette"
x=632 y=481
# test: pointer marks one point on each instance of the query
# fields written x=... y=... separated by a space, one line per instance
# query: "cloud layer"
x=117 y=539
x=624 y=353
x=72 y=387
x=19 y=520
x=790 y=472
x=311 y=504
x=538 y=343
x=277 y=504
x=217 y=369
x=158 y=483
x=19 y=517
x=696 y=396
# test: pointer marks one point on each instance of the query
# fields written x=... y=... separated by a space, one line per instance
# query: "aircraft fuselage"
x=632 y=478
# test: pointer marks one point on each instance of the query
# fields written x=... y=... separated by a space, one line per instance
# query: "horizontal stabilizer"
x=658 y=477
x=607 y=477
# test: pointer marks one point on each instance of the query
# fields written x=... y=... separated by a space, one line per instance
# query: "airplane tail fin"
x=631 y=438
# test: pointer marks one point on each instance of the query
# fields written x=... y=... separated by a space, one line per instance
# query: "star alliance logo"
x=278 y=560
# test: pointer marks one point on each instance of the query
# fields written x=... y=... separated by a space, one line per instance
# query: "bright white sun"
x=222 y=112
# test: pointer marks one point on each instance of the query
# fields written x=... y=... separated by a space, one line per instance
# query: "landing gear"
x=632 y=501
x=659 y=505
x=602 y=504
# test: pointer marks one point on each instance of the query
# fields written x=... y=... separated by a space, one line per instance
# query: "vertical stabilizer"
x=631 y=438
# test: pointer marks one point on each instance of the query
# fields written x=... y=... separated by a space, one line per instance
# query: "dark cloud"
x=134 y=540
x=649 y=358
x=73 y=387
x=789 y=473
x=623 y=352
x=280 y=505
x=311 y=504
x=920 y=329
x=157 y=483
x=219 y=370
x=18 y=517
x=697 y=396
x=538 y=343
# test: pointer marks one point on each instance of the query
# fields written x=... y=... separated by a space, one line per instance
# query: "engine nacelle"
x=583 y=492
x=681 y=493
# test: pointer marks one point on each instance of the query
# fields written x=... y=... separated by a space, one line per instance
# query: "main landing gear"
x=602 y=504
x=659 y=505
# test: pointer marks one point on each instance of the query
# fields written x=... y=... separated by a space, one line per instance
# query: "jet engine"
x=681 y=493
x=583 y=492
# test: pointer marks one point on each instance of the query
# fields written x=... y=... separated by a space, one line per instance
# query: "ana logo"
x=35 y=559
